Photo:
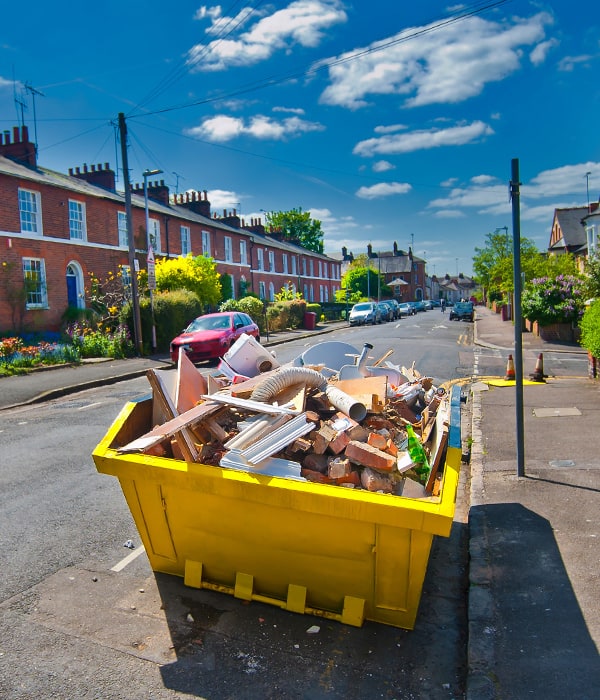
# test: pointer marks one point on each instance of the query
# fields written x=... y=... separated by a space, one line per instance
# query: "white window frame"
x=186 y=240
x=271 y=291
x=592 y=240
x=271 y=261
x=228 y=249
x=284 y=262
x=206 y=244
x=311 y=267
x=304 y=266
x=30 y=211
x=260 y=261
x=294 y=265
x=261 y=290
x=35 y=269
x=77 y=223
x=243 y=252
x=122 y=229
x=320 y=268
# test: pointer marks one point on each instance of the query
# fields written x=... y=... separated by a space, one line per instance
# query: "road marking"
x=90 y=405
x=128 y=559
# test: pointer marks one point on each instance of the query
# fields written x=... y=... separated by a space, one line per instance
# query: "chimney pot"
x=15 y=134
x=93 y=168
x=85 y=168
x=70 y=171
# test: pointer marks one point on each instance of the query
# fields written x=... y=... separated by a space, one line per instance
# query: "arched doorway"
x=75 y=296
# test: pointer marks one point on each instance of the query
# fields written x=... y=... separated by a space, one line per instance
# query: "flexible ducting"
x=288 y=376
x=268 y=390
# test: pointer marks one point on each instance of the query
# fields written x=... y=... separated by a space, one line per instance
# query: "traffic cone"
x=538 y=373
x=510 y=370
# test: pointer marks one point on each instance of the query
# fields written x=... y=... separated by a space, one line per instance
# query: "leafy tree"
x=493 y=264
x=297 y=226
x=592 y=282
x=362 y=281
x=197 y=274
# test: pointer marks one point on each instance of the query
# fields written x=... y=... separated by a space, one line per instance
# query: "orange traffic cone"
x=510 y=370
x=538 y=373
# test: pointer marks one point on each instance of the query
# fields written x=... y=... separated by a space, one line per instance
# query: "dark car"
x=387 y=312
x=462 y=311
x=395 y=306
x=210 y=336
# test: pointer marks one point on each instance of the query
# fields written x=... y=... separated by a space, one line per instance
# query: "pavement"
x=534 y=553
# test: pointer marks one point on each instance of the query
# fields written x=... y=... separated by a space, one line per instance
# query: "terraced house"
x=56 y=229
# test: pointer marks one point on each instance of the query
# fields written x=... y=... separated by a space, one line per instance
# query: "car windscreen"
x=209 y=323
x=362 y=307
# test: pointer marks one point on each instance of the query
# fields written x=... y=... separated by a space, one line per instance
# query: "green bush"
x=314 y=308
x=250 y=305
x=590 y=329
x=173 y=311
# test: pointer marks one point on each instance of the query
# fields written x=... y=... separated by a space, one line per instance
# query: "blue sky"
x=388 y=121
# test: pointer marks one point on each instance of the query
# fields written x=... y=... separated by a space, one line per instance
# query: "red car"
x=210 y=336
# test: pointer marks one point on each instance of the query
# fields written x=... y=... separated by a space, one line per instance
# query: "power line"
x=319 y=66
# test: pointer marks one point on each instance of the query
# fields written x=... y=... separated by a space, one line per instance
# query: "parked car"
x=364 y=312
x=462 y=311
x=210 y=336
x=407 y=309
x=419 y=305
x=428 y=304
x=395 y=305
x=387 y=312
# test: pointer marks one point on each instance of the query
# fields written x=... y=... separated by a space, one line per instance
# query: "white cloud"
x=539 y=53
x=423 y=139
x=443 y=65
x=224 y=128
x=568 y=63
x=223 y=199
x=483 y=179
x=486 y=195
x=382 y=166
x=289 y=110
x=568 y=179
x=449 y=214
x=302 y=22
x=383 y=189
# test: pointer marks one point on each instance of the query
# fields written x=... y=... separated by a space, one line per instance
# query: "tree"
x=592 y=282
x=493 y=264
x=363 y=282
x=297 y=226
x=198 y=274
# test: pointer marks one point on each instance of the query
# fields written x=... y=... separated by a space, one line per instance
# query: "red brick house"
x=57 y=229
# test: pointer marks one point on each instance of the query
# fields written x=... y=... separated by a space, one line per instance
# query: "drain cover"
x=558 y=412
x=562 y=463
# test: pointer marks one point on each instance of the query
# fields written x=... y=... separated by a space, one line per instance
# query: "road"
x=84 y=617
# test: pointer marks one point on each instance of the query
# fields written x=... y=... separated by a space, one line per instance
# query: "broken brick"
x=377 y=440
x=368 y=456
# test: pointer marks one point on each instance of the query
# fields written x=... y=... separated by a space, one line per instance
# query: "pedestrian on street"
x=443 y=305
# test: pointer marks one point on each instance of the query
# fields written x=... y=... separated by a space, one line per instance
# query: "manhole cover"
x=555 y=412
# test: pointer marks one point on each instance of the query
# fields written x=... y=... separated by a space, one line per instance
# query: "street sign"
x=151 y=269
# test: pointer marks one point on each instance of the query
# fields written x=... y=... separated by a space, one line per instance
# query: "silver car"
x=364 y=312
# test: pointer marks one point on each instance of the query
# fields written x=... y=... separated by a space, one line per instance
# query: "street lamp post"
x=146 y=174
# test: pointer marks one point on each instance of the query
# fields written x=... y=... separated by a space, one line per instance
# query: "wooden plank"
x=437 y=460
x=167 y=406
x=371 y=391
x=190 y=384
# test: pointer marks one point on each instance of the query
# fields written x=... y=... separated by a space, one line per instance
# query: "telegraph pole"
x=135 y=301
x=516 y=222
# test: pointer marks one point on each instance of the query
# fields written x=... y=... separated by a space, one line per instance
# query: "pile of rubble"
x=332 y=416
